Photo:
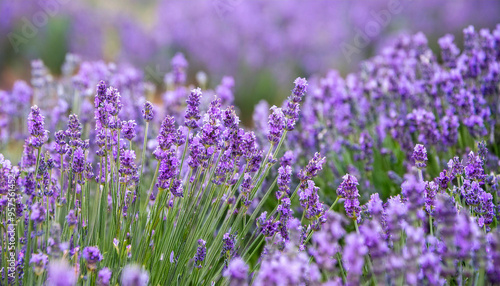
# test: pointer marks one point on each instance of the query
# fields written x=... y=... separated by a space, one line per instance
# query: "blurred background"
x=264 y=45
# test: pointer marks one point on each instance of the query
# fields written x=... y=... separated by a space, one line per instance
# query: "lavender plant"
x=348 y=183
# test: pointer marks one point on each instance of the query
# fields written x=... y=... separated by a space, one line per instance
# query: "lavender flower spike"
x=420 y=156
x=291 y=110
x=104 y=277
x=193 y=112
x=36 y=128
x=348 y=189
x=147 y=112
x=133 y=275
x=61 y=274
x=276 y=125
x=237 y=272
x=201 y=252
x=92 y=255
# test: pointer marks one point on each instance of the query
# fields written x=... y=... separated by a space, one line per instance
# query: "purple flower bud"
x=449 y=51
x=201 y=252
x=92 y=255
x=133 y=275
x=284 y=179
x=37 y=213
x=420 y=156
x=61 y=274
x=291 y=110
x=71 y=218
x=276 y=125
x=128 y=129
x=74 y=131
x=39 y=262
x=104 y=277
x=353 y=256
x=78 y=164
x=312 y=169
x=237 y=272
x=193 y=112
x=179 y=65
x=147 y=111
x=309 y=200
x=36 y=128
x=228 y=243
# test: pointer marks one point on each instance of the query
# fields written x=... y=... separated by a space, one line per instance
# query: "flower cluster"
x=185 y=195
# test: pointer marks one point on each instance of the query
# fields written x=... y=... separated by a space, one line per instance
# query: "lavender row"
x=389 y=176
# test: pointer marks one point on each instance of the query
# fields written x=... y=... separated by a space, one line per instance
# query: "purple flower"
x=211 y=128
x=228 y=243
x=485 y=209
x=168 y=170
x=431 y=190
x=493 y=256
x=37 y=213
x=276 y=125
x=74 y=131
x=312 y=169
x=246 y=187
x=456 y=167
x=61 y=274
x=353 y=256
x=78 y=164
x=36 y=128
x=420 y=156
x=291 y=110
x=443 y=180
x=177 y=188
x=467 y=236
x=413 y=190
x=237 y=272
x=113 y=102
x=374 y=238
x=229 y=118
x=449 y=129
x=39 y=261
x=474 y=168
x=268 y=227
x=128 y=129
x=470 y=191
x=375 y=207
x=326 y=241
x=430 y=264
x=248 y=145
x=179 y=65
x=193 y=112
x=449 y=51
x=167 y=137
x=201 y=252
x=104 y=277
x=348 y=186
x=133 y=275
x=225 y=167
x=284 y=179
x=92 y=255
x=309 y=200
x=147 y=111
x=71 y=219
x=395 y=214
x=445 y=214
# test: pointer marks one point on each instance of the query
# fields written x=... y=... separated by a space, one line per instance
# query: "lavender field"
x=250 y=143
